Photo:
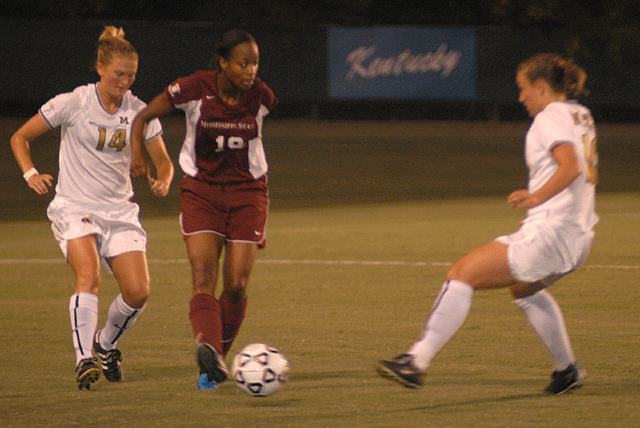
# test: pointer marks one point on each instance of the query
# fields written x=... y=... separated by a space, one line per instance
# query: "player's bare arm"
x=159 y=106
x=33 y=128
x=164 y=167
x=568 y=170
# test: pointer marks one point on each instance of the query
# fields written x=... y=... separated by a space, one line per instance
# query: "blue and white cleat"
x=205 y=383
x=211 y=362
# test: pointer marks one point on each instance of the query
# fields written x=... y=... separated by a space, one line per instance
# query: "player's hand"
x=41 y=183
x=522 y=199
x=138 y=167
x=158 y=187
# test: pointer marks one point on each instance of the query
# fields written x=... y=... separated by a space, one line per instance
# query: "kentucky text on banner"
x=402 y=62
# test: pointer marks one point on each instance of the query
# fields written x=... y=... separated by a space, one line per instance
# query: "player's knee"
x=235 y=294
x=204 y=276
x=88 y=280
x=137 y=297
x=203 y=283
x=455 y=272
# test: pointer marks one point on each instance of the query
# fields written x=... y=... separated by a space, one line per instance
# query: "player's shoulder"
x=555 y=112
x=265 y=93
x=554 y=109
x=563 y=108
x=133 y=101
x=261 y=86
x=63 y=107
x=207 y=76
x=84 y=89
x=192 y=85
x=78 y=94
x=574 y=107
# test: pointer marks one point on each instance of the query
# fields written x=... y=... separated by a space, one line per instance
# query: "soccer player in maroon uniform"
x=223 y=196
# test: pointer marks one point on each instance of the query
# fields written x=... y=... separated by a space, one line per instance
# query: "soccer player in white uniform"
x=92 y=216
x=554 y=239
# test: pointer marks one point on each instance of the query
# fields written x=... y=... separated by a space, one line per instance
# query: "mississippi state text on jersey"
x=223 y=143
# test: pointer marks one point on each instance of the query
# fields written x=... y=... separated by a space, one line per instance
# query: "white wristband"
x=27 y=175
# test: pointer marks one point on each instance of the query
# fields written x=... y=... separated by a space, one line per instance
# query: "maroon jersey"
x=223 y=143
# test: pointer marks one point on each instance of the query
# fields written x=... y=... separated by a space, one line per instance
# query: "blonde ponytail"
x=112 y=43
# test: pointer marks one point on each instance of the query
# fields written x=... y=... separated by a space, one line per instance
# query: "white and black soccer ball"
x=259 y=369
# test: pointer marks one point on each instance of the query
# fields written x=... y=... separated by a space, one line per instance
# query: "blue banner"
x=402 y=62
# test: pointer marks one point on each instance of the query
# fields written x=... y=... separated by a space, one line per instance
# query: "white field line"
x=310 y=262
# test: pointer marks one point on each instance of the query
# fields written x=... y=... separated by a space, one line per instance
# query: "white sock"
x=119 y=319
x=546 y=318
x=83 y=311
x=447 y=315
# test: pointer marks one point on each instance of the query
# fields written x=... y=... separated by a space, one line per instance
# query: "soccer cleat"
x=402 y=370
x=211 y=363
x=87 y=372
x=205 y=383
x=566 y=380
x=109 y=360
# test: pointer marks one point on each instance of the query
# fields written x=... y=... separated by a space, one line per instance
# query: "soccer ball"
x=259 y=369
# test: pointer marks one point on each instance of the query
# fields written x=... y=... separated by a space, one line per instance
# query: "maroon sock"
x=232 y=317
x=206 y=320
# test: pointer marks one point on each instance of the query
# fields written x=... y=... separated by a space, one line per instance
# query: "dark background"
x=48 y=47
x=582 y=15
x=435 y=148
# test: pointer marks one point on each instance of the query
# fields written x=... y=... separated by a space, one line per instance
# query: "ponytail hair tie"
x=563 y=67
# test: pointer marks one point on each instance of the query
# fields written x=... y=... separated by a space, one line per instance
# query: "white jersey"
x=95 y=150
x=564 y=122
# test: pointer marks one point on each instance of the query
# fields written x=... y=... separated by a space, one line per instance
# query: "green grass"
x=365 y=219
x=336 y=289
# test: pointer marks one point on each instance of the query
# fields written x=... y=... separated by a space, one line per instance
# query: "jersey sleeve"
x=59 y=109
x=154 y=130
x=184 y=89
x=154 y=127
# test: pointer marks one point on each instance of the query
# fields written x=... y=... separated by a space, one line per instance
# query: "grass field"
x=354 y=260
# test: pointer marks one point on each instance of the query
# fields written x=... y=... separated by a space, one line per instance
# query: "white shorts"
x=117 y=231
x=545 y=250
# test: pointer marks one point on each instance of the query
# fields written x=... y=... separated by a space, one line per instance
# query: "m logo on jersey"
x=124 y=120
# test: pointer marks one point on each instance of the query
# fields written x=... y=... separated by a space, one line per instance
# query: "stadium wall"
x=43 y=58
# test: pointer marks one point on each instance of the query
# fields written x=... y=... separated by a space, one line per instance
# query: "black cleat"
x=211 y=362
x=87 y=373
x=402 y=370
x=110 y=361
x=566 y=380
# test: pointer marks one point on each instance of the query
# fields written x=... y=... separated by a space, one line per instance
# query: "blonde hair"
x=563 y=75
x=112 y=43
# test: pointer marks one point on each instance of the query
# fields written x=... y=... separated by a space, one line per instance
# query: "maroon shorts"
x=237 y=211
